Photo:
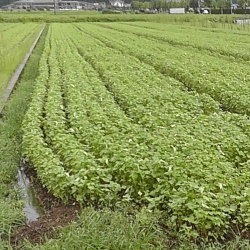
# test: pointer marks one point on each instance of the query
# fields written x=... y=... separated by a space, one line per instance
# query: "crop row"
x=203 y=33
x=198 y=72
x=104 y=127
x=192 y=106
x=229 y=45
x=209 y=61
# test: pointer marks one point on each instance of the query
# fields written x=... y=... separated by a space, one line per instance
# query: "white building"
x=44 y=5
x=117 y=3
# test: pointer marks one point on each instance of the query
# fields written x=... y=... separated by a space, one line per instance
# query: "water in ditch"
x=32 y=209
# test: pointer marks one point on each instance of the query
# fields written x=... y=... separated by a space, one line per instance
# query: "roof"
x=35 y=1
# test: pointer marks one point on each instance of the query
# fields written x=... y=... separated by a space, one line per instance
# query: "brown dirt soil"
x=57 y=214
x=46 y=199
x=46 y=225
x=238 y=230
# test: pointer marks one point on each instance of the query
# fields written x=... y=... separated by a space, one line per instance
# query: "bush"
x=108 y=11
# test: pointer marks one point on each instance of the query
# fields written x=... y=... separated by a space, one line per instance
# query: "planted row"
x=198 y=72
x=232 y=46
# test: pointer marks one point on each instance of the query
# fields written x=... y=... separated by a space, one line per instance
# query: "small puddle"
x=32 y=209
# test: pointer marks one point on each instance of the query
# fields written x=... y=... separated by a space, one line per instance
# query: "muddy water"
x=31 y=209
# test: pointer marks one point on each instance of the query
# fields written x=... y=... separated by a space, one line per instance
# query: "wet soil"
x=32 y=208
x=57 y=214
x=46 y=200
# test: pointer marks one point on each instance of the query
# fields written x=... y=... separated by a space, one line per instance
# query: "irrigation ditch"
x=32 y=208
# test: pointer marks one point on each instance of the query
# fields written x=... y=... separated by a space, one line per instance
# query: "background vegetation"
x=94 y=16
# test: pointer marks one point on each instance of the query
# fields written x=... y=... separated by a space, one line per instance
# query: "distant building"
x=43 y=5
x=177 y=11
x=69 y=5
x=100 y=5
x=116 y=3
x=234 y=6
x=87 y=5
x=127 y=5
x=92 y=6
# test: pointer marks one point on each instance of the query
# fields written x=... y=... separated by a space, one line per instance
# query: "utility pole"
x=199 y=6
x=54 y=6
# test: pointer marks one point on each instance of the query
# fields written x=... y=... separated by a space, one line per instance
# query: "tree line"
x=195 y=4
x=166 y=5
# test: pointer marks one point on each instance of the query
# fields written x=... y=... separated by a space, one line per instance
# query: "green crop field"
x=150 y=115
x=127 y=113
x=15 y=41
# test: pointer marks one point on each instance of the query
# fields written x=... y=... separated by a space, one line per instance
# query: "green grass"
x=117 y=230
x=11 y=206
x=107 y=229
x=13 y=51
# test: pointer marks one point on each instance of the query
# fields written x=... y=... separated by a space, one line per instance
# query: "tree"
x=242 y=3
x=208 y=3
x=214 y=4
x=135 y=5
x=147 y=5
x=221 y=4
x=156 y=4
x=194 y=4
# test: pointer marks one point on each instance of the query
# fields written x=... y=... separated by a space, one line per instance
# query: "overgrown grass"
x=108 y=229
x=11 y=214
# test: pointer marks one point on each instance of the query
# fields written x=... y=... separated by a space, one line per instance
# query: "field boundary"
x=15 y=77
